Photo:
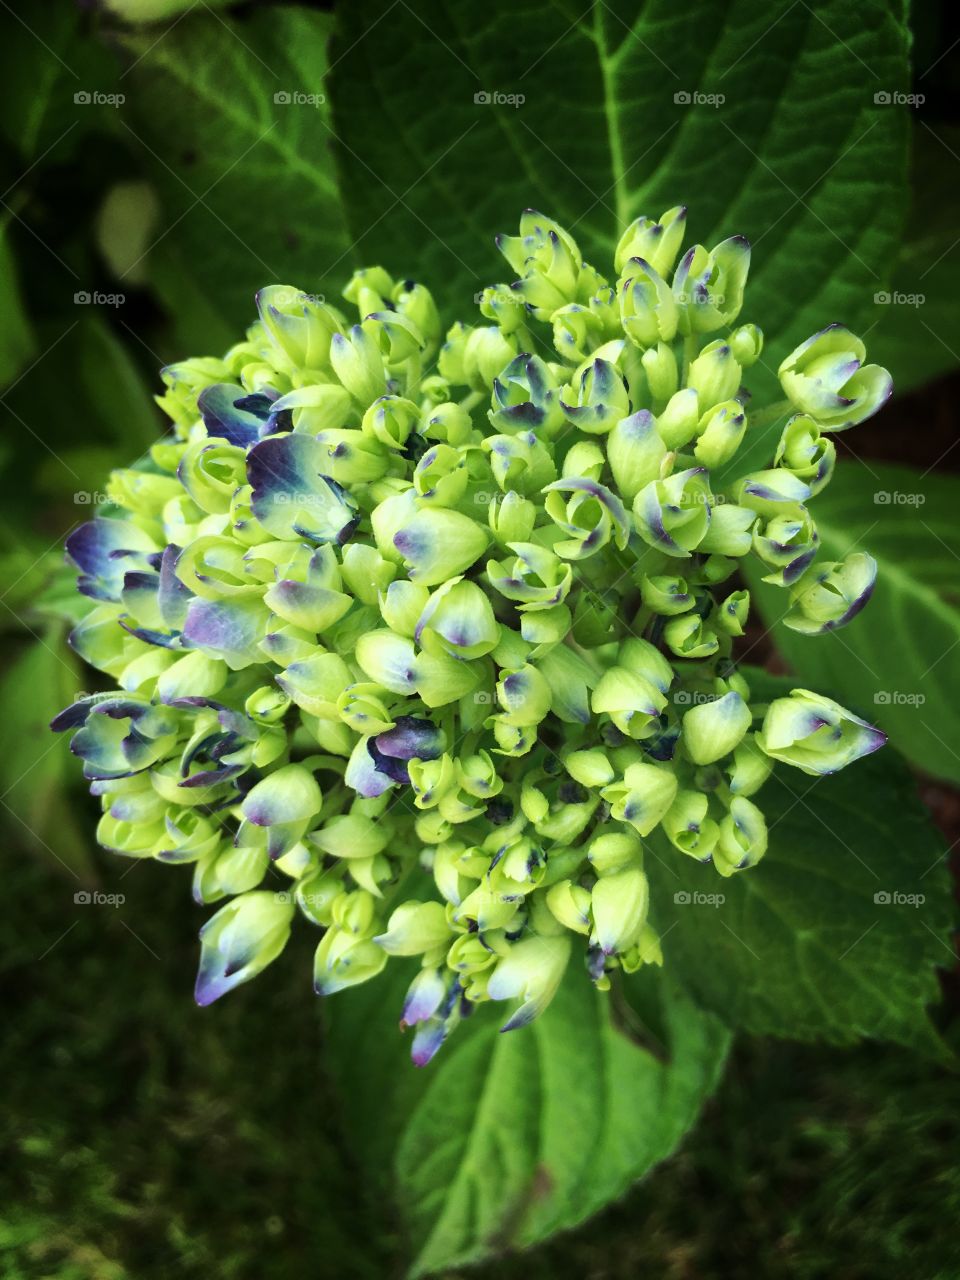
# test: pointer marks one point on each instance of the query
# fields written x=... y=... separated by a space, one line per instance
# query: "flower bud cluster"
x=422 y=640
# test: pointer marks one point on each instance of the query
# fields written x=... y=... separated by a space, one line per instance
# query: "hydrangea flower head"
x=418 y=641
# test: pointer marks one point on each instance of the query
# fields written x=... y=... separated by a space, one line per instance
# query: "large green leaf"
x=504 y=1139
x=917 y=333
x=37 y=807
x=900 y=657
x=242 y=164
x=798 y=157
x=836 y=933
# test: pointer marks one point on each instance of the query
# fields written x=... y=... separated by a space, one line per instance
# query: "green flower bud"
x=548 y=261
x=526 y=397
x=590 y=768
x=620 y=902
x=210 y=471
x=485 y=352
x=746 y=342
x=316 y=683
x=240 y=941
x=804 y=451
x=787 y=543
x=635 y=452
x=585 y=461
x=709 y=286
x=722 y=429
x=590 y=517
x=730 y=532
x=458 y=620
x=665 y=595
x=743 y=838
x=631 y=702
x=711 y=730
x=815 y=734
x=343 y=960
x=597 y=398
x=320 y=407
x=368 y=288
x=298 y=328
x=524 y=696
x=415 y=927
x=577 y=330
x=536 y=578
x=614 y=852
x=570 y=904
x=770 y=492
x=673 y=515
x=679 y=421
x=829 y=596
x=732 y=614
x=415 y=304
x=657 y=242
x=357 y=362
x=437 y=544
x=499 y=303
x=531 y=971
x=520 y=462
x=663 y=377
x=689 y=828
x=714 y=374
x=689 y=636
x=351 y=835
x=390 y=420
x=648 y=310
x=825 y=377
x=511 y=518
x=184 y=382
x=546 y=627
x=750 y=767
x=642 y=797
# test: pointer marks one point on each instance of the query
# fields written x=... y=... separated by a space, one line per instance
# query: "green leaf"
x=917 y=336
x=899 y=657
x=247 y=183
x=505 y=1139
x=37 y=808
x=600 y=139
x=835 y=934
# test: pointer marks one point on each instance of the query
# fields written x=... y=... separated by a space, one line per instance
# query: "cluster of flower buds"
x=423 y=640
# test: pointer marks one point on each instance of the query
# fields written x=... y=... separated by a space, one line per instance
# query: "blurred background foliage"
x=146 y=157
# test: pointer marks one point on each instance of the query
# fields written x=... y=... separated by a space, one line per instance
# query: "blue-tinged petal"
x=292 y=497
x=228 y=629
x=233 y=414
x=105 y=551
